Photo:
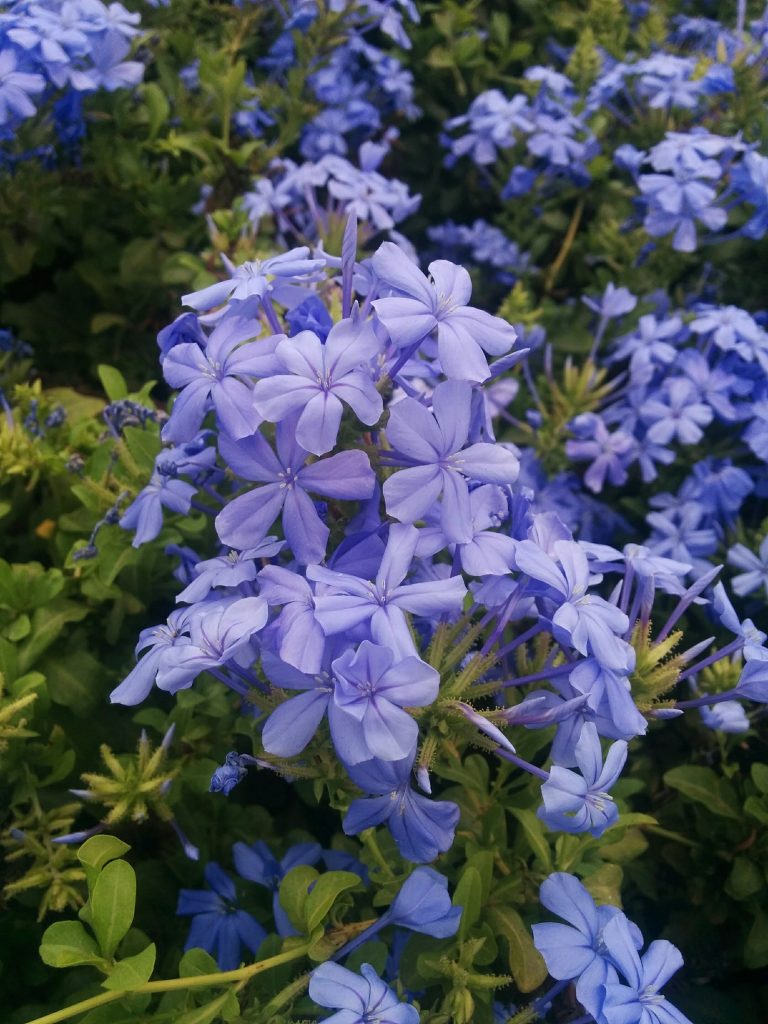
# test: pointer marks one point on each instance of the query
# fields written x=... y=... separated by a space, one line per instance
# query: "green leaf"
x=101 y=322
x=113 y=901
x=469 y=896
x=79 y=407
x=756 y=946
x=324 y=894
x=19 y=629
x=294 y=894
x=113 y=382
x=75 y=681
x=760 y=777
x=604 y=885
x=158 y=107
x=47 y=625
x=745 y=880
x=68 y=944
x=704 y=786
x=525 y=961
x=373 y=952
x=133 y=971
x=630 y=819
x=482 y=862
x=629 y=846
x=98 y=851
x=143 y=445
x=756 y=807
x=197 y=962
x=534 y=833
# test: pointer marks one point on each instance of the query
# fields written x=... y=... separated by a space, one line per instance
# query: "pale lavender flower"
x=420 y=306
x=315 y=378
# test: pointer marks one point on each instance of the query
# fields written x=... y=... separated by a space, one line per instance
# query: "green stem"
x=200 y=981
x=657 y=830
x=369 y=840
x=565 y=248
x=285 y=995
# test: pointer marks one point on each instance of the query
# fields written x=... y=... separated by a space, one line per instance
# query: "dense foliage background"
x=601 y=168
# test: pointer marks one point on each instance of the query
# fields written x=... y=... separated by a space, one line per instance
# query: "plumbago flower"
x=321 y=375
x=219 y=926
x=419 y=306
x=598 y=948
x=381 y=570
x=217 y=375
x=286 y=480
x=434 y=449
x=359 y=1000
x=579 y=803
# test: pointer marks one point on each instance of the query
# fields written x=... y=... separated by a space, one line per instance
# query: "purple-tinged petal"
x=347 y=476
x=304 y=530
x=248 y=518
x=410 y=493
x=292 y=725
x=318 y=425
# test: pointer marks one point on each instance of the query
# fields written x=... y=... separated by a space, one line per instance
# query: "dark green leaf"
x=704 y=786
x=468 y=896
x=525 y=961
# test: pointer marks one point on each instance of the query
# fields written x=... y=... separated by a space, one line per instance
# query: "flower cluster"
x=360 y=85
x=599 y=949
x=59 y=51
x=547 y=135
x=304 y=199
x=363 y=508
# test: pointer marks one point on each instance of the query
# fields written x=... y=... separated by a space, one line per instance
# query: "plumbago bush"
x=389 y=600
x=401 y=657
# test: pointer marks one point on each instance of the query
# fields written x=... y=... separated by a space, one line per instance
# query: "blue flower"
x=580 y=803
x=348 y=601
x=422 y=828
x=256 y=279
x=231 y=773
x=202 y=637
x=217 y=376
x=583 y=620
x=433 y=448
x=315 y=377
x=420 y=305
x=750 y=179
x=309 y=315
x=360 y=1000
x=285 y=480
x=677 y=201
x=372 y=689
x=639 y=1000
x=493 y=121
x=755 y=568
x=16 y=87
x=576 y=949
x=218 y=925
x=422 y=905
x=232 y=570
x=613 y=303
